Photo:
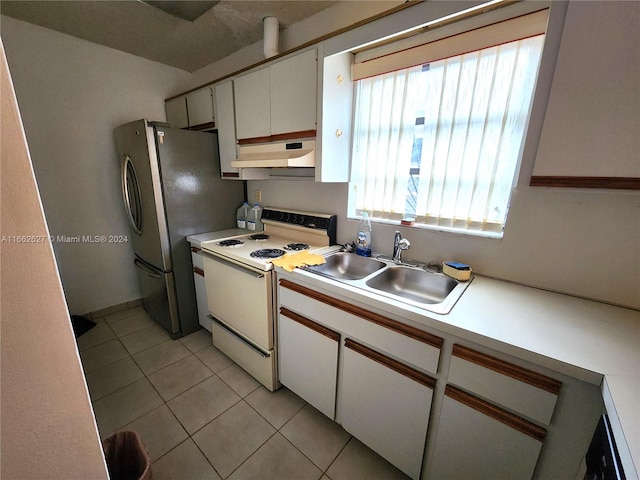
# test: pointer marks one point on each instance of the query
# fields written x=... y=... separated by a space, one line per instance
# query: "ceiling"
x=184 y=34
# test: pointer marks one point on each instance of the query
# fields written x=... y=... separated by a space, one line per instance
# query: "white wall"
x=582 y=242
x=72 y=94
x=48 y=429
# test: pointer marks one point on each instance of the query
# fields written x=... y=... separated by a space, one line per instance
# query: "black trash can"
x=126 y=456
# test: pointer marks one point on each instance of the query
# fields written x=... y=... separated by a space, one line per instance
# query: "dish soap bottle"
x=253 y=219
x=363 y=241
x=242 y=214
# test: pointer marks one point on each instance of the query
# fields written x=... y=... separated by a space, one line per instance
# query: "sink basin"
x=348 y=266
x=414 y=285
x=407 y=283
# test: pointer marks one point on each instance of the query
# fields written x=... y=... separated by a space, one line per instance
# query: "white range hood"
x=277 y=154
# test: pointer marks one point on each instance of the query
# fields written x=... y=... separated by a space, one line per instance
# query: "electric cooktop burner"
x=231 y=243
x=296 y=246
x=259 y=236
x=267 y=253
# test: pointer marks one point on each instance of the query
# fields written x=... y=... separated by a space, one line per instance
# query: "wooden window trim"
x=616 y=183
x=522 y=374
x=316 y=327
x=372 y=317
x=388 y=362
x=517 y=423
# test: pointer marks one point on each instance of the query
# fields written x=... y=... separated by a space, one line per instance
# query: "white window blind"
x=440 y=142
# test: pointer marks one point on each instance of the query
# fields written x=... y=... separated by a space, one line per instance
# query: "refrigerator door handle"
x=145 y=269
x=130 y=181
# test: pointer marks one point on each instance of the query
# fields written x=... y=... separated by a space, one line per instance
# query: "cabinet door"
x=334 y=129
x=225 y=121
x=305 y=346
x=200 y=107
x=478 y=440
x=201 y=289
x=176 y=111
x=386 y=405
x=293 y=87
x=253 y=104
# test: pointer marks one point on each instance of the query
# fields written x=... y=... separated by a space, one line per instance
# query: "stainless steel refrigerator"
x=172 y=188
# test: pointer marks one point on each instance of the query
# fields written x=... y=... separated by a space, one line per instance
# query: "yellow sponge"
x=459 y=271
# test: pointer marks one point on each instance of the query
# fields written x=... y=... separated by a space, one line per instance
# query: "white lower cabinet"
x=481 y=441
x=386 y=405
x=306 y=346
x=491 y=416
x=201 y=289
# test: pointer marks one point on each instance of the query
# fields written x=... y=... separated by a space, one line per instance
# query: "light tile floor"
x=203 y=417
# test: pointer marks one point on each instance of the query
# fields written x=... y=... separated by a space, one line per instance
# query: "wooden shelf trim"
x=316 y=327
x=230 y=174
x=383 y=321
x=198 y=271
x=617 y=183
x=535 y=379
x=520 y=424
x=394 y=365
x=279 y=137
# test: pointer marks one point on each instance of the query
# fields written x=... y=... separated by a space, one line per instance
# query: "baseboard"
x=112 y=309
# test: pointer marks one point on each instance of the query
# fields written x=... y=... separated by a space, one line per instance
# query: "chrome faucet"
x=399 y=244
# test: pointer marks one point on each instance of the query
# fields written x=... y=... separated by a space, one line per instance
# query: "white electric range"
x=241 y=285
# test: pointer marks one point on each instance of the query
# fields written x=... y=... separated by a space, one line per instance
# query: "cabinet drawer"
x=478 y=440
x=524 y=391
x=395 y=338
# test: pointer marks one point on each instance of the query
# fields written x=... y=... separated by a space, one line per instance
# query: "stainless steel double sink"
x=411 y=284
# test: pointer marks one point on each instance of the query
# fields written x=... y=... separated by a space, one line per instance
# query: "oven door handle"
x=230 y=264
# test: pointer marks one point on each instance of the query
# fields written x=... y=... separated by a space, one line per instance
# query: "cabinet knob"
x=340 y=79
x=338 y=133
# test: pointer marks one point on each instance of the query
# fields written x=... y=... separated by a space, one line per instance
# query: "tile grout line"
x=277 y=430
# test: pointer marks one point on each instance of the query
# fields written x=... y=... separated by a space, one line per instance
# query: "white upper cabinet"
x=253 y=104
x=278 y=99
x=200 y=107
x=593 y=117
x=176 y=110
x=293 y=87
x=225 y=121
x=335 y=100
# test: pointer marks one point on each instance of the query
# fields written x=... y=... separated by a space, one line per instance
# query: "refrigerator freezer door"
x=196 y=200
x=158 y=295
x=143 y=193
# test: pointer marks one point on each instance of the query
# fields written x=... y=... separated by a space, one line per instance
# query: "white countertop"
x=197 y=240
x=584 y=339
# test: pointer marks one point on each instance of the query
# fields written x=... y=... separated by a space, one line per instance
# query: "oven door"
x=241 y=298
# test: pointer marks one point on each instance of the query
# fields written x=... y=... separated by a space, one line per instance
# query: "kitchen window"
x=438 y=142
